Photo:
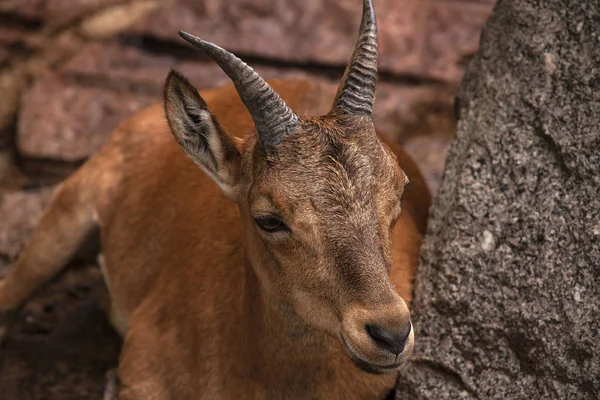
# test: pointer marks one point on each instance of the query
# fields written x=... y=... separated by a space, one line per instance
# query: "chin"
x=369 y=367
x=374 y=368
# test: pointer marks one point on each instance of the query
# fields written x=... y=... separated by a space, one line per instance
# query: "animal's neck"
x=276 y=341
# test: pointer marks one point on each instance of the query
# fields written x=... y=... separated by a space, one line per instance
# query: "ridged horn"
x=272 y=117
x=357 y=88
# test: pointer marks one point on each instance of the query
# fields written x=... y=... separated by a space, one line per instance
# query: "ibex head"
x=318 y=196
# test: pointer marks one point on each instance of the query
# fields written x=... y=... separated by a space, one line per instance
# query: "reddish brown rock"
x=430 y=153
x=29 y=9
x=11 y=42
x=53 y=12
x=125 y=67
x=128 y=67
x=451 y=36
x=68 y=115
x=57 y=12
x=429 y=39
x=405 y=111
x=294 y=31
x=108 y=22
x=19 y=214
x=418 y=38
x=61 y=119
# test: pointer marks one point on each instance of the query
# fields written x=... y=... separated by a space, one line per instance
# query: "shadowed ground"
x=62 y=344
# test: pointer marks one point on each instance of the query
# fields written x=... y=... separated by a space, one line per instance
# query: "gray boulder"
x=507 y=298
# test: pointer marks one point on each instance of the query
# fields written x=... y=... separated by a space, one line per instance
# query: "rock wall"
x=70 y=70
x=507 y=299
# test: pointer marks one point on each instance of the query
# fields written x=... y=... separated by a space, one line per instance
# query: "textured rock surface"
x=431 y=151
x=20 y=212
x=67 y=114
x=423 y=38
x=508 y=293
x=71 y=62
x=55 y=12
x=81 y=118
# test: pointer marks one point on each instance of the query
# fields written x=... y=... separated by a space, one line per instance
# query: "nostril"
x=390 y=341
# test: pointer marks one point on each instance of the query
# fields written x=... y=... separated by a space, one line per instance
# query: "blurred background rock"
x=70 y=70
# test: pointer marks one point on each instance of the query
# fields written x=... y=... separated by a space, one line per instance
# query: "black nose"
x=390 y=341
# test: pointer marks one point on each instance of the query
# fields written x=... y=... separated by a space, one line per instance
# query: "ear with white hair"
x=199 y=134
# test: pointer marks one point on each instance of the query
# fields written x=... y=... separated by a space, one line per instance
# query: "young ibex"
x=300 y=291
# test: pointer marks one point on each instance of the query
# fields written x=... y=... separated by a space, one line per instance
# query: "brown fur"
x=209 y=305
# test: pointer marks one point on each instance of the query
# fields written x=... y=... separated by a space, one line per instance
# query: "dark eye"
x=270 y=224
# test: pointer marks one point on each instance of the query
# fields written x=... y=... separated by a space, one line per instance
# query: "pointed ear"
x=199 y=134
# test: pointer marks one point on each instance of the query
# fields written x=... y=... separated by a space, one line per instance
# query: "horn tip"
x=190 y=38
x=195 y=41
x=187 y=37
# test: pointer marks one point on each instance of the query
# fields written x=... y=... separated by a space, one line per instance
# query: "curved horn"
x=272 y=117
x=357 y=89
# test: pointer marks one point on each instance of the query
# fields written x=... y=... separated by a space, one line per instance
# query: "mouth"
x=367 y=366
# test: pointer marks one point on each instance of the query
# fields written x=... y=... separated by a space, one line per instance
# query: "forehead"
x=331 y=163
